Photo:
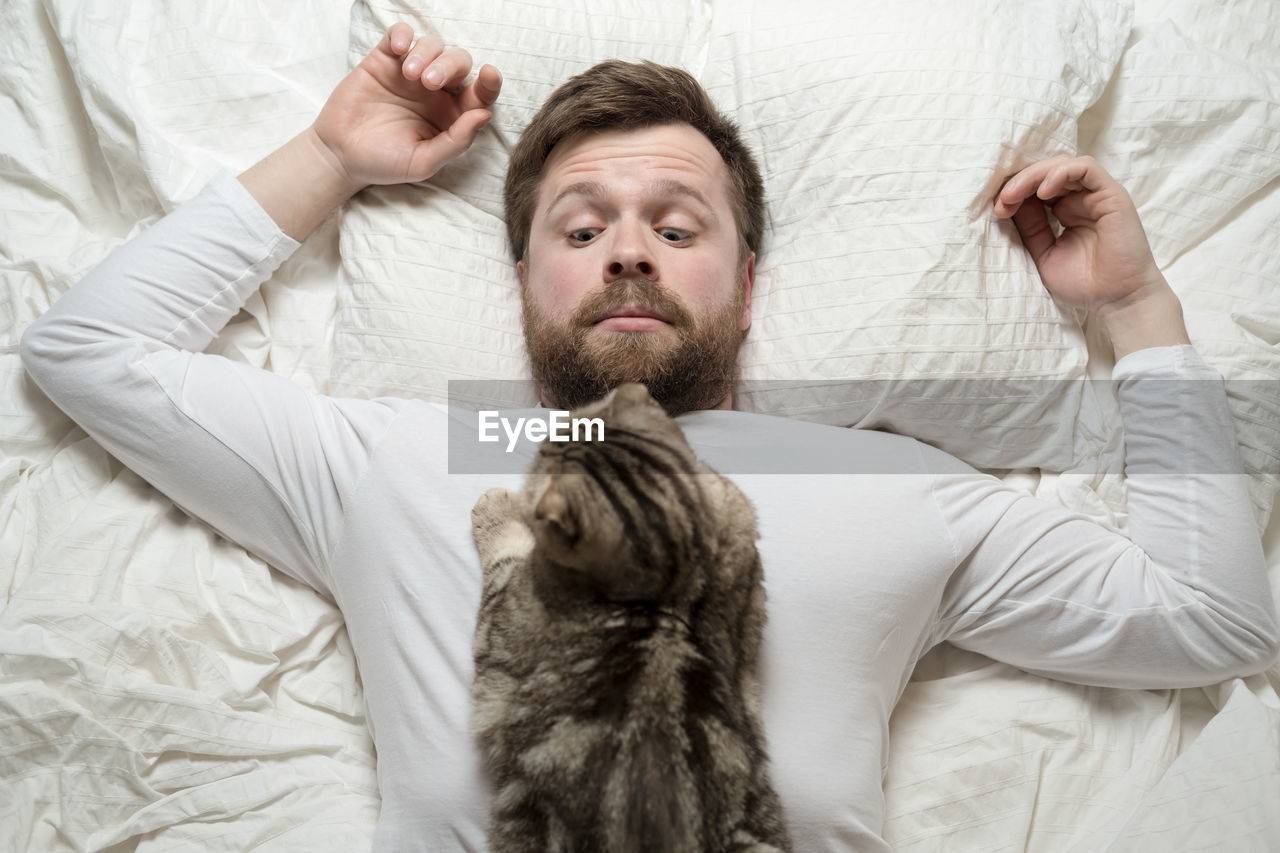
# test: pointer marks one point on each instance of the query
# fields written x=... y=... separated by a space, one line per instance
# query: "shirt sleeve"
x=265 y=462
x=1185 y=601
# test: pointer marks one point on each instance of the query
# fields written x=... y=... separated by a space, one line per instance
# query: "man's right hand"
x=403 y=113
x=399 y=116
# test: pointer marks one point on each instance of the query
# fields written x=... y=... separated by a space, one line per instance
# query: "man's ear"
x=748 y=281
x=520 y=271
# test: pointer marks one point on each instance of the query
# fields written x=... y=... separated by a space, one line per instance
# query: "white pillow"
x=883 y=131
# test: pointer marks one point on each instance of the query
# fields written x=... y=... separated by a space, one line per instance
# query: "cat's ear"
x=555 y=509
x=633 y=394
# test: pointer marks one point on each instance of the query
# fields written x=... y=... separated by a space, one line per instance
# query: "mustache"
x=640 y=292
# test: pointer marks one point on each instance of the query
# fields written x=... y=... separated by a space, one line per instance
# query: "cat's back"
x=646 y=733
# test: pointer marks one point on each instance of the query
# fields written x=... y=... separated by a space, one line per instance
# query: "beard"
x=690 y=365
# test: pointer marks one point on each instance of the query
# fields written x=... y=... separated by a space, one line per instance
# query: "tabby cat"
x=616 y=696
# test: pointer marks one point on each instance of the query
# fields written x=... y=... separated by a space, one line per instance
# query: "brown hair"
x=617 y=95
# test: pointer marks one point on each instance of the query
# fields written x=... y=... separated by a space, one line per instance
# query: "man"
x=635 y=248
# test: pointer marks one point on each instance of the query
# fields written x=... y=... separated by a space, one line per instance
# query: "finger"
x=431 y=155
x=1034 y=228
x=397 y=39
x=1023 y=185
x=448 y=70
x=463 y=132
x=483 y=91
x=421 y=55
x=1059 y=181
x=1080 y=174
x=1073 y=209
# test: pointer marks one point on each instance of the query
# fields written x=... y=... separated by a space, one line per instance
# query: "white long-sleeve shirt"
x=865 y=570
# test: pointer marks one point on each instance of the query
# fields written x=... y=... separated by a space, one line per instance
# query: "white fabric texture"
x=162 y=689
x=869 y=569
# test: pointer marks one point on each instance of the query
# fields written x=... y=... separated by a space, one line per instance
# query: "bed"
x=162 y=689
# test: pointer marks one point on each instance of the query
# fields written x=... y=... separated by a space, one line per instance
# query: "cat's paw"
x=495 y=509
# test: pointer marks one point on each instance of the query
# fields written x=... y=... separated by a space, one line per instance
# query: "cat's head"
x=623 y=514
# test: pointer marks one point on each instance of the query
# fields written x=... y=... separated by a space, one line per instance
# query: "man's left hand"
x=1101 y=261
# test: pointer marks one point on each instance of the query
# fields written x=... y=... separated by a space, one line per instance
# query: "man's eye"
x=674 y=235
x=583 y=235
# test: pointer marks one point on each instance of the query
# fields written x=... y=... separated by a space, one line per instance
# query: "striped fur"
x=616 y=698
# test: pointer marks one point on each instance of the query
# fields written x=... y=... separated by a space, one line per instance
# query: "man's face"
x=633 y=273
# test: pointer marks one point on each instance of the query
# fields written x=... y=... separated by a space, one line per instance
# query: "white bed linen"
x=161 y=690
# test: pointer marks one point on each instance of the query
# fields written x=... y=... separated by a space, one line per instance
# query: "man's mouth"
x=632 y=318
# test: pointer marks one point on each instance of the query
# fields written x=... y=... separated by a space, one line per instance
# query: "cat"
x=616 y=698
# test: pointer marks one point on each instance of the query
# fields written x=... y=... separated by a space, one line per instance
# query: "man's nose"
x=630 y=255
